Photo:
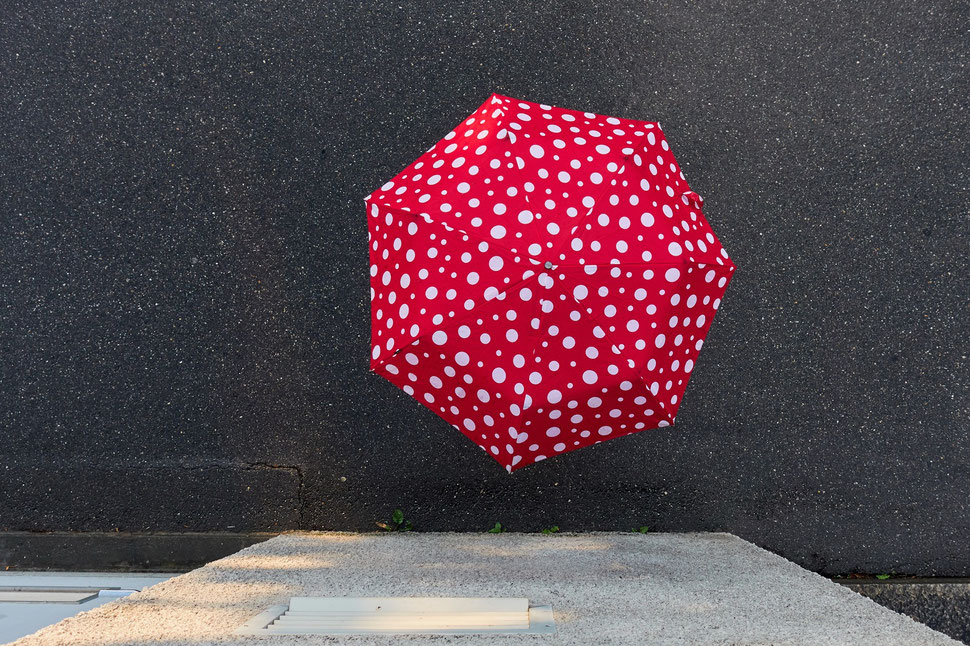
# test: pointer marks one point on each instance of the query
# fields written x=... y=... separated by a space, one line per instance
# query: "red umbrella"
x=543 y=279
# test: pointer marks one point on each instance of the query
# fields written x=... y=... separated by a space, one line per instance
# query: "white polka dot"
x=675 y=249
x=672 y=275
x=536 y=151
x=590 y=377
x=498 y=375
x=498 y=232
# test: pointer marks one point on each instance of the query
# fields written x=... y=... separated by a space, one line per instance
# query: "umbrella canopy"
x=543 y=279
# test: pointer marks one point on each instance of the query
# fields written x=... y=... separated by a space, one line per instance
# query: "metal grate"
x=401 y=615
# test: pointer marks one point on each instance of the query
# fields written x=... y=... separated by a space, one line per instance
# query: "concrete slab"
x=604 y=588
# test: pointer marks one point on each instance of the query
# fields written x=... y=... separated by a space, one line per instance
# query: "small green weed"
x=551 y=530
x=640 y=530
x=498 y=529
x=397 y=524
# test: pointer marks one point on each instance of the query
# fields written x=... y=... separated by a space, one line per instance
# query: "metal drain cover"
x=401 y=615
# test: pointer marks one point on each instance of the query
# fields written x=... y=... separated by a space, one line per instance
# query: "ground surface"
x=604 y=589
x=184 y=298
x=942 y=605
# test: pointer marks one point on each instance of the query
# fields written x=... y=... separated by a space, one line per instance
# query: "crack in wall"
x=301 y=490
x=252 y=466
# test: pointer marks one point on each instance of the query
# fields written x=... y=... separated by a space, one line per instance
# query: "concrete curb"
x=941 y=605
x=120 y=551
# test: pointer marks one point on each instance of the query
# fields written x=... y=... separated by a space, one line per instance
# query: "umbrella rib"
x=572 y=233
x=508 y=253
x=696 y=263
x=447 y=225
x=458 y=319
x=636 y=369
x=535 y=347
x=603 y=190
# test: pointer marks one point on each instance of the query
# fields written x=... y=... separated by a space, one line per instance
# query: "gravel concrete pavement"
x=604 y=588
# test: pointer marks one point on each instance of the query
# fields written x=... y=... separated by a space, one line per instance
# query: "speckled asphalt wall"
x=184 y=296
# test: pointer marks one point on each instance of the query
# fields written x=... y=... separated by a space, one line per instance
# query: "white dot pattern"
x=543 y=279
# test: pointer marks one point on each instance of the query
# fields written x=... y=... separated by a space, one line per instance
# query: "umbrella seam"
x=605 y=188
x=636 y=368
x=572 y=233
x=535 y=347
x=670 y=415
x=437 y=222
x=668 y=263
x=455 y=321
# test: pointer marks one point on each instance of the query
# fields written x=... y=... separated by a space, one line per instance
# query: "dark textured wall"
x=184 y=297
